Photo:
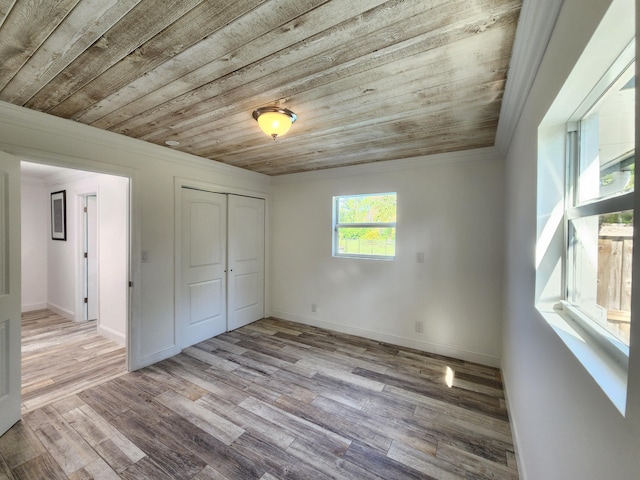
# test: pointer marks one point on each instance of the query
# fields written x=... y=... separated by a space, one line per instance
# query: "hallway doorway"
x=78 y=285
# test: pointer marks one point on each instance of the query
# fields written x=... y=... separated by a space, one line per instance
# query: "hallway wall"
x=58 y=265
x=35 y=231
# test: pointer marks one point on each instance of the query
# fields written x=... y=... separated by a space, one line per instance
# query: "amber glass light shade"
x=274 y=121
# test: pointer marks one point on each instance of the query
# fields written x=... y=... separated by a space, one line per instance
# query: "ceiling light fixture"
x=274 y=121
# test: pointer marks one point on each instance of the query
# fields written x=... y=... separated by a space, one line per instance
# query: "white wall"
x=113 y=216
x=65 y=268
x=35 y=231
x=566 y=428
x=40 y=137
x=449 y=207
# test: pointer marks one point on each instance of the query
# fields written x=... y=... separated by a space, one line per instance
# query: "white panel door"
x=9 y=291
x=91 y=256
x=202 y=296
x=246 y=260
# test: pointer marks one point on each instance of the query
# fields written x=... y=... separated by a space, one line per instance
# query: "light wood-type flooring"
x=61 y=357
x=275 y=400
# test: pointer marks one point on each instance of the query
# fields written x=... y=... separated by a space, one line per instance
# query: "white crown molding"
x=478 y=154
x=537 y=21
x=42 y=122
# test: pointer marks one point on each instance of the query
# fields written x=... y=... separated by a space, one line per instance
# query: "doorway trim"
x=133 y=320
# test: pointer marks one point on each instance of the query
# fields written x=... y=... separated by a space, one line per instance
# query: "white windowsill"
x=611 y=376
x=364 y=257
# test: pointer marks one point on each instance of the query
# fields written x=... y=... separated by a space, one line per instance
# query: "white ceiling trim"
x=537 y=21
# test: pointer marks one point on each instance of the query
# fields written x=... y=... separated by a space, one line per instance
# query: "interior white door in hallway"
x=9 y=291
x=91 y=257
x=202 y=297
x=246 y=260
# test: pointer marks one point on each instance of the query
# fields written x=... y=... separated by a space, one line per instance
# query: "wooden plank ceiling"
x=370 y=80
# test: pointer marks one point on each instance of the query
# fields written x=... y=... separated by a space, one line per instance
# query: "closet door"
x=246 y=260
x=201 y=305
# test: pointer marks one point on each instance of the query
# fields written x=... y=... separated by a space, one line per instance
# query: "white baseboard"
x=68 y=314
x=151 y=358
x=514 y=428
x=33 y=307
x=429 y=347
x=113 y=335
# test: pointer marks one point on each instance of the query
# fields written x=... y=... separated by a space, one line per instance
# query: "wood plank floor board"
x=283 y=387
x=162 y=443
x=273 y=400
x=19 y=445
x=61 y=357
x=351 y=426
x=281 y=364
x=297 y=425
x=328 y=462
x=96 y=469
x=279 y=463
x=427 y=464
x=327 y=387
x=390 y=428
x=189 y=369
x=380 y=464
x=254 y=424
x=41 y=467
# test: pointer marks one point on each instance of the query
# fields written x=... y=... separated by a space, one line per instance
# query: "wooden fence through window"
x=615 y=254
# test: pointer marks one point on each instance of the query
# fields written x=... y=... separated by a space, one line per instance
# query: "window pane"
x=601 y=276
x=367 y=241
x=607 y=142
x=367 y=208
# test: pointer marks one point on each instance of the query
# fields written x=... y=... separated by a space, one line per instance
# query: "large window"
x=599 y=213
x=585 y=205
x=365 y=226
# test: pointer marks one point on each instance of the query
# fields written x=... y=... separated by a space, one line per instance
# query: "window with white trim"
x=364 y=226
x=599 y=208
x=584 y=204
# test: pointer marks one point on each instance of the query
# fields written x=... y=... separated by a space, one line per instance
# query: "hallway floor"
x=61 y=358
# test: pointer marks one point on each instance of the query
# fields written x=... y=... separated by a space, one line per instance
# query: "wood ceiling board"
x=370 y=80
x=304 y=61
x=63 y=46
x=229 y=51
x=26 y=27
x=377 y=89
x=143 y=22
x=361 y=126
x=200 y=22
x=414 y=143
x=232 y=101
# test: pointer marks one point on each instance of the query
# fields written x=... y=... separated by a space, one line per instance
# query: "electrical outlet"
x=419 y=326
x=314 y=307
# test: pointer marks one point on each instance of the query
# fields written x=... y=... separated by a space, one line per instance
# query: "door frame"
x=133 y=320
x=178 y=184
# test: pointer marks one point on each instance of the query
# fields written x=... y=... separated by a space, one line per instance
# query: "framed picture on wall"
x=59 y=215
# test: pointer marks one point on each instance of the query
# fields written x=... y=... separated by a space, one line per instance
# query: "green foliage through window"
x=365 y=225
